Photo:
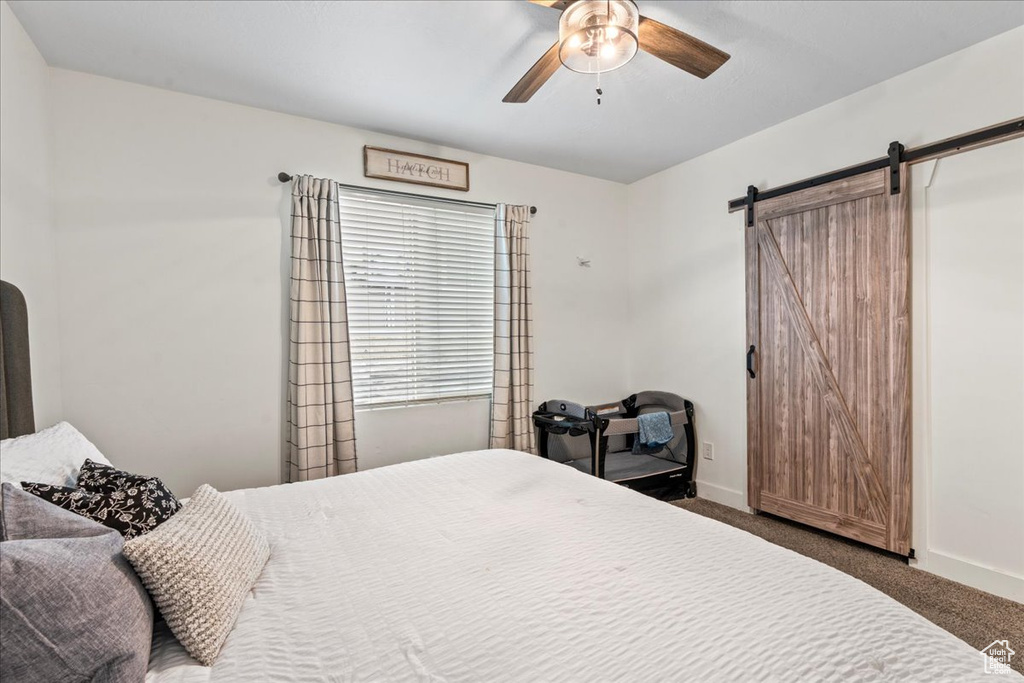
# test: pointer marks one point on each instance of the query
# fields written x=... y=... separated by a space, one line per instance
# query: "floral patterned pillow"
x=100 y=478
x=134 y=510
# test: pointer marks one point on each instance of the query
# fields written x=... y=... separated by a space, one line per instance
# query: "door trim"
x=900 y=326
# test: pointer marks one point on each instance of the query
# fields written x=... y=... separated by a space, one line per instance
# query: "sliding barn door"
x=828 y=274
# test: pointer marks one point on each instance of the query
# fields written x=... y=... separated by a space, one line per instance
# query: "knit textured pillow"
x=199 y=566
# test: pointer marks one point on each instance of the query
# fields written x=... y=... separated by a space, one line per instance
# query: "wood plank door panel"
x=828 y=315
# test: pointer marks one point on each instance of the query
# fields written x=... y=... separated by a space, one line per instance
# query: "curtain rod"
x=286 y=178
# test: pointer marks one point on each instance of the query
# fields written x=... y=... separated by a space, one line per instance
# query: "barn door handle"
x=750 y=362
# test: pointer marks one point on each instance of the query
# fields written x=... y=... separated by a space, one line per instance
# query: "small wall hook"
x=583 y=262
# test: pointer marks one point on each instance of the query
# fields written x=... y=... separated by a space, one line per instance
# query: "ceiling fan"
x=596 y=36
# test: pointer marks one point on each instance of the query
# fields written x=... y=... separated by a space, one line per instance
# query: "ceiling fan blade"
x=537 y=76
x=680 y=49
x=553 y=4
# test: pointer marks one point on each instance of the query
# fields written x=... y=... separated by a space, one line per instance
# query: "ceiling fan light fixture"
x=595 y=36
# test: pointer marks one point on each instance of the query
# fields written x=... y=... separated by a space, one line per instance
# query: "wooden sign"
x=390 y=164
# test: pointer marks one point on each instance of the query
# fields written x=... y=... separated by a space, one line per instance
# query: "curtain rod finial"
x=283 y=177
x=533 y=210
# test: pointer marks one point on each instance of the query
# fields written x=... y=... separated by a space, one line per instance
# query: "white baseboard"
x=720 y=494
x=947 y=566
x=974 y=575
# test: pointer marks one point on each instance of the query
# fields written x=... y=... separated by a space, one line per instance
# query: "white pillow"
x=52 y=456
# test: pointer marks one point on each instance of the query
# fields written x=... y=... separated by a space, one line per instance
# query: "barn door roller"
x=895 y=159
x=751 y=198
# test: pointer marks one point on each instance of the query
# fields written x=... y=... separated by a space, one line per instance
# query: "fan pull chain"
x=599 y=91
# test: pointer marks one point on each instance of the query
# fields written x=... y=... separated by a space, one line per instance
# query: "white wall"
x=172 y=251
x=172 y=258
x=687 y=258
x=968 y=219
x=27 y=251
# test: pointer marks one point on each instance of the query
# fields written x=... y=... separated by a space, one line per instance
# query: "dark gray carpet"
x=974 y=616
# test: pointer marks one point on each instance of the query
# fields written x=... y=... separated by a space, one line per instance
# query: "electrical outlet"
x=708 y=449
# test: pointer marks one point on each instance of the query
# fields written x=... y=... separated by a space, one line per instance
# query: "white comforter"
x=499 y=566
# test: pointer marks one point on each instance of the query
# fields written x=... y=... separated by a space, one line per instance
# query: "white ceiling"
x=436 y=71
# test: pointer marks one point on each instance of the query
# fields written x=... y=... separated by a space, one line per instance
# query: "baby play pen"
x=613 y=448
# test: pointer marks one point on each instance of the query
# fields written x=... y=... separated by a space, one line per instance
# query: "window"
x=419 y=279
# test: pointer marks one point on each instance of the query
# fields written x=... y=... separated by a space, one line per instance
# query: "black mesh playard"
x=611 y=449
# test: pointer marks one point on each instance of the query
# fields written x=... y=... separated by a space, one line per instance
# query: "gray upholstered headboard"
x=16 y=415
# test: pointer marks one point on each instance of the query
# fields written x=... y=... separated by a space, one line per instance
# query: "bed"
x=502 y=566
x=497 y=565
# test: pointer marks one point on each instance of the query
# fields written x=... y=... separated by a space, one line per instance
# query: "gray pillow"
x=23 y=518
x=71 y=608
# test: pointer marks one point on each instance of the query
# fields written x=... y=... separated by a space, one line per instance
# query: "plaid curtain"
x=321 y=418
x=512 y=397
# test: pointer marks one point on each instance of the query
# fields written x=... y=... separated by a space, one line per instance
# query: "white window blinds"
x=419 y=280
